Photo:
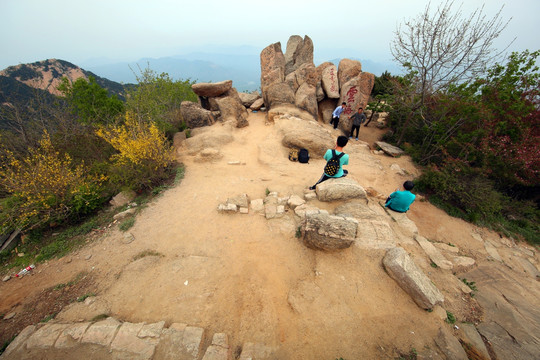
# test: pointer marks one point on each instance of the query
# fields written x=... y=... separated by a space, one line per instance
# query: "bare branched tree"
x=446 y=46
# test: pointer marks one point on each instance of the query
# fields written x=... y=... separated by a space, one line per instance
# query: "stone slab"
x=128 y=345
x=470 y=335
x=71 y=335
x=46 y=336
x=492 y=251
x=192 y=340
x=215 y=352
x=152 y=330
x=433 y=253
x=101 y=332
x=19 y=340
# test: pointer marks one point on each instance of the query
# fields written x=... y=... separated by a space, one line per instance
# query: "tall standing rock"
x=348 y=69
x=292 y=44
x=299 y=52
x=355 y=93
x=330 y=83
x=306 y=99
x=272 y=65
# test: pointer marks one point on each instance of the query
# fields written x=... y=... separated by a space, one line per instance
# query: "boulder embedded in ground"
x=329 y=232
x=411 y=279
x=301 y=134
x=211 y=137
x=450 y=346
x=340 y=189
x=212 y=89
x=195 y=116
x=433 y=253
x=462 y=263
x=123 y=198
x=390 y=149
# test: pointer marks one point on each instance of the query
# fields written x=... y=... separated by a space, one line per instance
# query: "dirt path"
x=249 y=277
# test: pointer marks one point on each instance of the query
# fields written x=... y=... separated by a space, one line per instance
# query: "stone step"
x=124 y=340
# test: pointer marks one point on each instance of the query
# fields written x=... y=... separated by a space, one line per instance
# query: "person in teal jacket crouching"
x=400 y=201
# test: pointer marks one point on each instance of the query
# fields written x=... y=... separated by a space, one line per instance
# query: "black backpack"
x=303 y=156
x=332 y=166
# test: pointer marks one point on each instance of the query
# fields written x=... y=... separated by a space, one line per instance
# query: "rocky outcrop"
x=330 y=83
x=329 y=232
x=301 y=134
x=231 y=108
x=212 y=89
x=355 y=93
x=340 y=189
x=249 y=99
x=195 y=116
x=348 y=70
x=410 y=278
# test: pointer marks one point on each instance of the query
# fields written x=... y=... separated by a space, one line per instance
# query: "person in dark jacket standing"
x=357 y=120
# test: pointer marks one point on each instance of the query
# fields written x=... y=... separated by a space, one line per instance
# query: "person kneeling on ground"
x=400 y=201
x=343 y=159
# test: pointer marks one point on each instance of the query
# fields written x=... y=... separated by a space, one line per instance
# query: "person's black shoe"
x=312 y=188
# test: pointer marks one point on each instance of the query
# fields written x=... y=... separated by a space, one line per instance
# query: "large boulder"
x=212 y=89
x=306 y=99
x=231 y=108
x=195 y=116
x=306 y=73
x=257 y=104
x=329 y=232
x=330 y=82
x=302 y=134
x=292 y=45
x=347 y=70
x=410 y=278
x=390 y=149
x=248 y=99
x=340 y=189
x=356 y=94
x=272 y=65
x=278 y=93
x=208 y=138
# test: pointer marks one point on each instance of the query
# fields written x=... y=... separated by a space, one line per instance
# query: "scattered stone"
x=434 y=254
x=310 y=196
x=280 y=210
x=447 y=248
x=236 y=162
x=241 y=200
x=209 y=154
x=340 y=189
x=257 y=105
x=227 y=208
x=329 y=232
x=257 y=205
x=439 y=312
x=255 y=351
x=295 y=201
x=9 y=316
x=128 y=238
x=463 y=263
x=449 y=345
x=411 y=279
x=21 y=254
x=398 y=170
x=244 y=210
x=390 y=149
x=68 y=260
x=128 y=344
x=124 y=214
x=6 y=278
x=88 y=257
x=304 y=210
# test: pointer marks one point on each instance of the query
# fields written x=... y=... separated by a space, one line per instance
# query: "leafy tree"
x=157 y=98
x=90 y=102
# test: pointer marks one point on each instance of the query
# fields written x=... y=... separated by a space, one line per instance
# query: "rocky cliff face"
x=47 y=75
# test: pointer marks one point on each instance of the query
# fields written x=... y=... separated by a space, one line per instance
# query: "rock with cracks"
x=340 y=189
x=329 y=232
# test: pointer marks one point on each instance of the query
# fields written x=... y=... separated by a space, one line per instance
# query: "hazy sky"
x=127 y=30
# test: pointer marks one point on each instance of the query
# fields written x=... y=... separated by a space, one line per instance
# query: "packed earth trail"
x=252 y=279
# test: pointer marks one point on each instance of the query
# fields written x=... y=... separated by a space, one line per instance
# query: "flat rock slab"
x=127 y=344
x=450 y=346
x=390 y=149
x=212 y=89
x=19 y=340
x=46 y=336
x=410 y=278
x=102 y=332
x=492 y=251
x=340 y=189
x=433 y=253
x=470 y=335
x=71 y=335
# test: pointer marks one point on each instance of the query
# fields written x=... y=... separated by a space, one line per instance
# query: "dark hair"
x=344 y=103
x=342 y=141
x=408 y=185
x=360 y=108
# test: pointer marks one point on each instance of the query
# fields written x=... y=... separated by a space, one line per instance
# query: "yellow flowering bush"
x=144 y=154
x=45 y=186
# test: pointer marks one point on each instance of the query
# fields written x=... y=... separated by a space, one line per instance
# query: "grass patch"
x=298 y=232
x=127 y=224
x=433 y=265
x=85 y=296
x=471 y=285
x=146 y=253
x=48 y=318
x=99 y=317
x=75 y=280
x=450 y=318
